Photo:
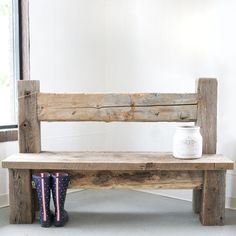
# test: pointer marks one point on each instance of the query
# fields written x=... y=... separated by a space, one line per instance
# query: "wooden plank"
x=29 y=125
x=114 y=161
x=20 y=197
x=8 y=135
x=100 y=100
x=134 y=179
x=207 y=113
x=150 y=107
x=186 y=113
x=207 y=120
x=213 y=198
x=141 y=179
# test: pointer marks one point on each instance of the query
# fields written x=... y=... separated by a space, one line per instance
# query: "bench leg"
x=20 y=197
x=197 y=200
x=213 y=198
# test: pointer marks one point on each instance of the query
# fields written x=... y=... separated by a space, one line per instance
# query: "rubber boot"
x=43 y=186
x=60 y=183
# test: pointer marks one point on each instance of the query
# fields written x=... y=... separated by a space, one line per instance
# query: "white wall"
x=67 y=55
x=163 y=46
x=134 y=45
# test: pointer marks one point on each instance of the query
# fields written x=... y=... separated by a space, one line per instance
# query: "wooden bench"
x=206 y=176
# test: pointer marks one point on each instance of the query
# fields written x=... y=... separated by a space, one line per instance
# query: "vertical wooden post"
x=207 y=120
x=29 y=125
x=203 y=200
x=20 y=197
x=207 y=113
x=21 y=194
x=213 y=198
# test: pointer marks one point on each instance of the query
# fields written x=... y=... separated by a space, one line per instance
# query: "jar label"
x=187 y=147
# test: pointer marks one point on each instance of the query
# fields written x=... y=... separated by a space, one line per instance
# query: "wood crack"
x=108 y=107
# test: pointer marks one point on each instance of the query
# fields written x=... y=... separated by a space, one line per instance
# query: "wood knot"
x=27 y=93
x=25 y=124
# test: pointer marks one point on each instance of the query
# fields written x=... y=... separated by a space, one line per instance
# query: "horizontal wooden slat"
x=100 y=100
x=114 y=161
x=185 y=113
x=134 y=179
x=117 y=107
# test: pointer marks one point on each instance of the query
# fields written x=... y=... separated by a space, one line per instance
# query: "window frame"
x=21 y=58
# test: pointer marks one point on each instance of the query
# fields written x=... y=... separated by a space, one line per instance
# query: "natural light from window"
x=7 y=76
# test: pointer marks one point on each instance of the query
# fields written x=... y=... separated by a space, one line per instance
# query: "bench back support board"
x=34 y=107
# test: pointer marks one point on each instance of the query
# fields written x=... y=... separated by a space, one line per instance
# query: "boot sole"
x=60 y=224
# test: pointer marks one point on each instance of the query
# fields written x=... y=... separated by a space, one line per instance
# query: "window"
x=9 y=61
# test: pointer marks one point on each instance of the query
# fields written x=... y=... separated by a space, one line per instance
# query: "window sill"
x=8 y=135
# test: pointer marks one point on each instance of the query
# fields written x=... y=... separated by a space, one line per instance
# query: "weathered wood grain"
x=207 y=120
x=185 y=113
x=207 y=113
x=114 y=161
x=20 y=197
x=29 y=125
x=213 y=198
x=100 y=100
x=150 y=107
x=134 y=179
x=29 y=129
x=138 y=179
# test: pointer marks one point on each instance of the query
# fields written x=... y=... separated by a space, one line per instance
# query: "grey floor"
x=123 y=212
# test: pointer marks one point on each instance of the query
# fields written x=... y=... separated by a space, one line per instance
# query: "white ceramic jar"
x=187 y=143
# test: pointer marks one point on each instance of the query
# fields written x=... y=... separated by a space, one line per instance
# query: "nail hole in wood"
x=27 y=93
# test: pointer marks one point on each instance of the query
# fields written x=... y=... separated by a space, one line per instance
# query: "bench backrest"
x=34 y=107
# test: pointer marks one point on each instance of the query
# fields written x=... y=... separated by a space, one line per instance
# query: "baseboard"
x=4 y=198
x=74 y=190
x=230 y=203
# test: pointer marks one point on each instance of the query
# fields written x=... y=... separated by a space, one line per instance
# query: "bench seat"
x=114 y=161
x=89 y=170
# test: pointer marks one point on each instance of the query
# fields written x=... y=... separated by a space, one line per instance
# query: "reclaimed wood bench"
x=206 y=176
